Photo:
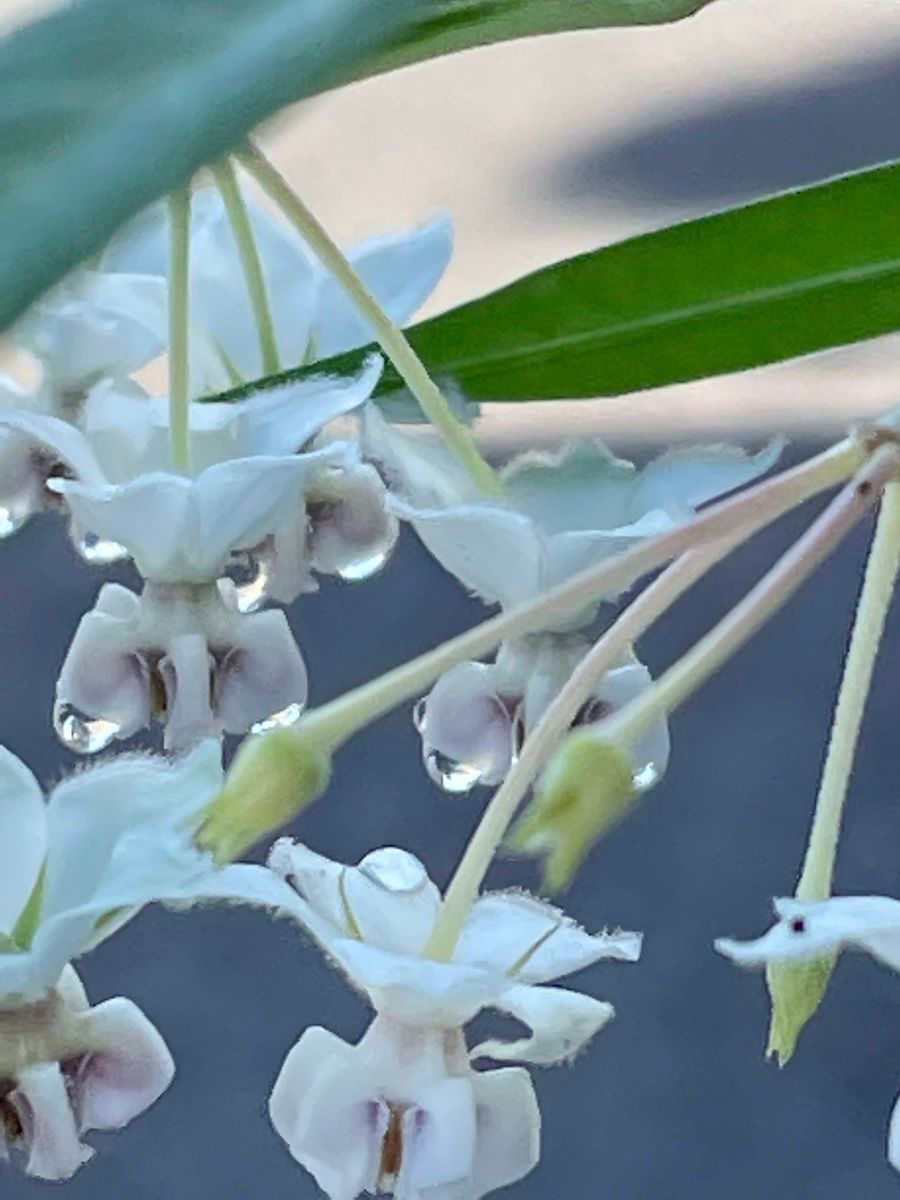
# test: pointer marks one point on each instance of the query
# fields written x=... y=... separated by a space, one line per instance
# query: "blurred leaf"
x=798 y=272
x=107 y=104
x=451 y=25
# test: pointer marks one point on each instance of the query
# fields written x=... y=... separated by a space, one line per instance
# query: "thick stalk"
x=179 y=300
x=389 y=336
x=868 y=627
x=761 y=602
x=742 y=515
x=239 y=219
x=606 y=652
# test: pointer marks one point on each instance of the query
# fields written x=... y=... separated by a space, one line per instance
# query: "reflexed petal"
x=561 y=1022
x=317 y=879
x=581 y=486
x=392 y=902
x=56 y=441
x=261 y=674
x=650 y=753
x=50 y=1134
x=127 y=1069
x=508 y=1128
x=683 y=479
x=23 y=836
x=535 y=941
x=808 y=929
x=323 y=1107
x=400 y=269
x=418 y=991
x=465 y=721
x=421 y=470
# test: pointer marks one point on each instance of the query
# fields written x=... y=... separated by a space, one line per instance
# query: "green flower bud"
x=274 y=776
x=587 y=787
x=796 y=990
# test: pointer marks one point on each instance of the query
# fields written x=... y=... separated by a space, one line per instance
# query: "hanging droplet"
x=100 y=552
x=11 y=519
x=80 y=733
x=250 y=574
x=285 y=717
x=419 y=714
x=647 y=776
x=357 y=569
x=394 y=870
x=451 y=776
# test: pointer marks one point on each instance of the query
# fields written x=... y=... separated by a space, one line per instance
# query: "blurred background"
x=539 y=150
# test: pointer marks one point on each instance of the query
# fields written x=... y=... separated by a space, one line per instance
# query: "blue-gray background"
x=673 y=1101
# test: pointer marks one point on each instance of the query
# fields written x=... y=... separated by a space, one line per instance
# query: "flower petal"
x=186 y=670
x=23 y=837
x=317 y=880
x=808 y=929
x=893 y=1138
x=128 y=1066
x=56 y=441
x=507 y=1128
x=561 y=1022
x=650 y=753
x=683 y=479
x=465 y=721
x=437 y=1138
x=50 y=1134
x=261 y=674
x=400 y=269
x=420 y=469
x=323 y=1107
x=535 y=941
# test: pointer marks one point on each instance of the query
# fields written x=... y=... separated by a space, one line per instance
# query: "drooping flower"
x=313 y=317
x=73 y=870
x=562 y=514
x=404 y=1111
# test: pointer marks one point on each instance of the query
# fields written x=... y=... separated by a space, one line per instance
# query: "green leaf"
x=795 y=273
x=450 y=25
x=106 y=105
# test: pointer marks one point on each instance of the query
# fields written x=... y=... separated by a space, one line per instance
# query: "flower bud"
x=274 y=776
x=587 y=787
x=796 y=990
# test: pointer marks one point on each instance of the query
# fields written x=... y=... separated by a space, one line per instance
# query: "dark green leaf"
x=785 y=276
x=107 y=104
x=450 y=25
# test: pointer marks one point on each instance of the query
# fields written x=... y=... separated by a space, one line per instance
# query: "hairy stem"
x=239 y=219
x=179 y=259
x=871 y=614
x=391 y=339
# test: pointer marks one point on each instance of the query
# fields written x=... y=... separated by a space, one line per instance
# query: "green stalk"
x=179 y=204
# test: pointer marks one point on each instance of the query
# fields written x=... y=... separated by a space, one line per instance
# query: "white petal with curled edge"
x=127 y=1068
x=400 y=269
x=561 y=1022
x=650 y=753
x=42 y=1103
x=23 y=836
x=809 y=929
x=682 y=479
x=535 y=941
x=262 y=673
x=466 y=721
x=582 y=486
x=316 y=879
x=325 y=1107
x=507 y=1128
x=418 y=991
x=57 y=440
x=392 y=901
x=437 y=1137
x=420 y=470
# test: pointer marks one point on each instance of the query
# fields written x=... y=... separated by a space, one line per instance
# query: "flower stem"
x=638 y=617
x=761 y=602
x=740 y=515
x=871 y=614
x=236 y=209
x=179 y=258
x=391 y=339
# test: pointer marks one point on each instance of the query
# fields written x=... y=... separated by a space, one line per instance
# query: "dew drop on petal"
x=357 y=569
x=252 y=582
x=394 y=870
x=279 y=720
x=647 y=776
x=12 y=518
x=100 y=552
x=455 y=778
x=80 y=733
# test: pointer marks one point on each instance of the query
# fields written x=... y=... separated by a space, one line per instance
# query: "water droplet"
x=393 y=869
x=354 y=570
x=285 y=717
x=12 y=518
x=80 y=733
x=250 y=573
x=419 y=714
x=451 y=776
x=647 y=776
x=100 y=552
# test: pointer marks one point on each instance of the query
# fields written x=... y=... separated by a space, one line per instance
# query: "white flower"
x=477 y=715
x=184 y=654
x=313 y=317
x=404 y=1111
x=73 y=870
